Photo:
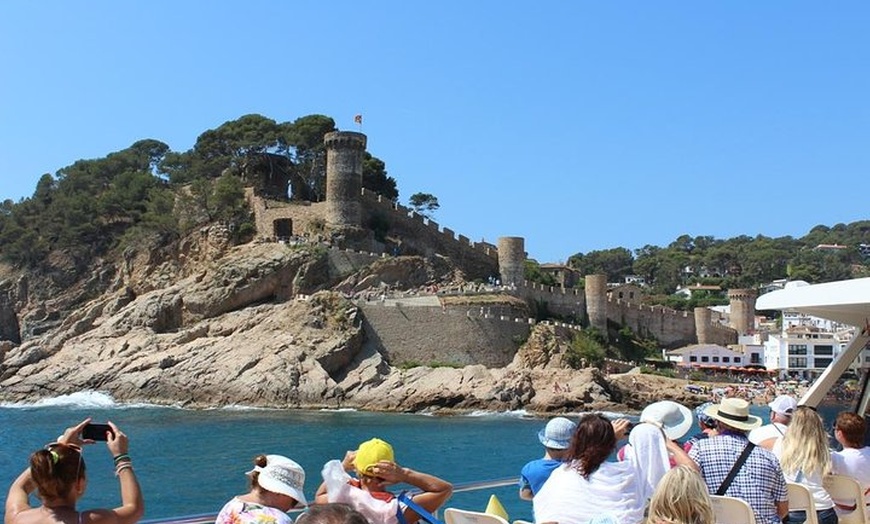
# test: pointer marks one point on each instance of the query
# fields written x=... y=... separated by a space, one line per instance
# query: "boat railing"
x=460 y=487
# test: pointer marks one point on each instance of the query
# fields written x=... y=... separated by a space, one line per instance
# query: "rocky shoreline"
x=207 y=325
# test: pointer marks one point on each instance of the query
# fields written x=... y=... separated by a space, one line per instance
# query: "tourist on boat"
x=556 y=438
x=706 y=424
x=654 y=455
x=805 y=459
x=759 y=480
x=57 y=474
x=781 y=410
x=673 y=421
x=277 y=485
x=681 y=498
x=376 y=468
x=587 y=486
x=854 y=459
x=331 y=514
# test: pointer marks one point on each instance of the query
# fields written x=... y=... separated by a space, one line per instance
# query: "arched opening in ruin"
x=282 y=228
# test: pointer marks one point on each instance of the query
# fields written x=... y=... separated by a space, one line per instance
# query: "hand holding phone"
x=97 y=432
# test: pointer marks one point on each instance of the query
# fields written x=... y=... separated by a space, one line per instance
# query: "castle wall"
x=306 y=216
x=455 y=335
x=425 y=237
x=565 y=302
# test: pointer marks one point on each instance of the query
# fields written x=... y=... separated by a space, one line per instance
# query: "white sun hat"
x=674 y=419
x=282 y=475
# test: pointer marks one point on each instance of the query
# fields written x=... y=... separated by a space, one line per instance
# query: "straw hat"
x=735 y=413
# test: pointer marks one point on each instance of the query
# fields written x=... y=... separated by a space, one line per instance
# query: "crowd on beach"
x=660 y=474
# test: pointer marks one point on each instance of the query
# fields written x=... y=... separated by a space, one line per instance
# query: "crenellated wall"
x=565 y=302
x=422 y=236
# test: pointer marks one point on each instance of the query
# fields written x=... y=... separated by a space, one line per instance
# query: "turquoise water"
x=192 y=462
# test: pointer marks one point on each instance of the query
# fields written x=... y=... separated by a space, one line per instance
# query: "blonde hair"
x=681 y=498
x=805 y=444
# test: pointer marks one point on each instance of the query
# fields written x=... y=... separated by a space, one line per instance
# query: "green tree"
x=374 y=177
x=585 y=351
x=616 y=263
x=424 y=204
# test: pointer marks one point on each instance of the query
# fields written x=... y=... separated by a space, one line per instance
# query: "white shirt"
x=767 y=431
x=856 y=464
x=813 y=482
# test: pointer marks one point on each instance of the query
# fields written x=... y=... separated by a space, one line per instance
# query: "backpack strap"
x=735 y=469
x=425 y=515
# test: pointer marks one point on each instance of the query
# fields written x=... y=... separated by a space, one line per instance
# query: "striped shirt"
x=760 y=481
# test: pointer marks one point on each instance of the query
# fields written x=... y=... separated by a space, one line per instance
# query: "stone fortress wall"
x=435 y=330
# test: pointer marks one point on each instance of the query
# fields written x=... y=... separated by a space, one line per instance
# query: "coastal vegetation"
x=149 y=195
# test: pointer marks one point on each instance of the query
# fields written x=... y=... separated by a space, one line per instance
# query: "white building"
x=806 y=345
x=707 y=355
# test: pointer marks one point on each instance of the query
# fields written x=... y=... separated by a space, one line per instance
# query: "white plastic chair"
x=731 y=510
x=846 y=491
x=462 y=516
x=800 y=499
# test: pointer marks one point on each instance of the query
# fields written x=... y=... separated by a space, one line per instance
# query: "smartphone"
x=96 y=432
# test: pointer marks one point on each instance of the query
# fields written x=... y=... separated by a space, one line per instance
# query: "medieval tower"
x=511 y=260
x=344 y=151
x=596 y=302
x=703 y=327
x=742 y=310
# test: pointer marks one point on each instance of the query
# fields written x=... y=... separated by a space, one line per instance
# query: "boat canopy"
x=844 y=301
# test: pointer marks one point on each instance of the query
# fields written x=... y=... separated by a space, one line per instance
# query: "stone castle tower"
x=703 y=326
x=596 y=302
x=742 y=310
x=344 y=152
x=511 y=260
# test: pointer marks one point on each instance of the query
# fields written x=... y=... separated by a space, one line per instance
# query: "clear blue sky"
x=577 y=125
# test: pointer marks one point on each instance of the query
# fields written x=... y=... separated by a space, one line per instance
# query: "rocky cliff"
x=203 y=323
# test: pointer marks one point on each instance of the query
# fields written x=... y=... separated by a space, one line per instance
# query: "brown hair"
x=594 y=439
x=260 y=461
x=852 y=426
x=56 y=469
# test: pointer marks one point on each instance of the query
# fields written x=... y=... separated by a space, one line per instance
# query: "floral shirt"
x=238 y=511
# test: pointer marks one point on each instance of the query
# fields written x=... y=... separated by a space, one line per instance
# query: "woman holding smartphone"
x=57 y=474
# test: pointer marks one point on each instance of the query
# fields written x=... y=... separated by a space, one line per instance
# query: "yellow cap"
x=370 y=453
x=495 y=508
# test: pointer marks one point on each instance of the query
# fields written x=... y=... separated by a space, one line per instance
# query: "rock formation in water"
x=267 y=324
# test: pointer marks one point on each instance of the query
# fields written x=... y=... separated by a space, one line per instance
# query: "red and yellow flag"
x=357 y=119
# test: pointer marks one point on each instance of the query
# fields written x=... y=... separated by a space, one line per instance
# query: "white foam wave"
x=516 y=413
x=80 y=399
x=337 y=410
x=88 y=399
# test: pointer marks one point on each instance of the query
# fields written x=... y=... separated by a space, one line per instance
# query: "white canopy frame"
x=844 y=301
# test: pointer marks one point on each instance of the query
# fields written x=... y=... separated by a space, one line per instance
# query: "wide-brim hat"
x=282 y=475
x=674 y=419
x=557 y=433
x=735 y=413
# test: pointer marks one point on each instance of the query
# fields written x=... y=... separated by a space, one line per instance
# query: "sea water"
x=193 y=461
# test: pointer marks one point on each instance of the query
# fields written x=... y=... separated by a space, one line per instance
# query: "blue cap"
x=557 y=433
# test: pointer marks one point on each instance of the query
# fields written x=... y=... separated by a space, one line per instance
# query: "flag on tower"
x=358 y=119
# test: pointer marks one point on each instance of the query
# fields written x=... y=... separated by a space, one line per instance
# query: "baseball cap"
x=784 y=405
x=370 y=453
